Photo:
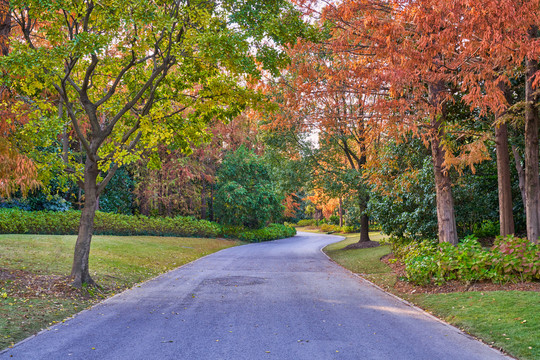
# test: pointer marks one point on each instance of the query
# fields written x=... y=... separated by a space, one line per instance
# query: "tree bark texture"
x=446 y=219
x=364 y=228
x=532 y=183
x=5 y=27
x=80 y=272
x=521 y=174
x=506 y=217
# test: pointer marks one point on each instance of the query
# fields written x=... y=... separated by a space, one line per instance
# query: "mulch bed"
x=451 y=286
x=29 y=285
x=362 y=245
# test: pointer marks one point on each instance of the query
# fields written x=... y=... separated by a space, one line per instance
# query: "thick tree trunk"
x=80 y=272
x=532 y=183
x=446 y=219
x=506 y=216
x=364 y=228
x=5 y=27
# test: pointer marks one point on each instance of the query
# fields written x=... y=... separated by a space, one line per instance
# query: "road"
x=276 y=300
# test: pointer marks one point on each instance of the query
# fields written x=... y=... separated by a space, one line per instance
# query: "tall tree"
x=319 y=98
x=133 y=76
x=504 y=41
x=17 y=172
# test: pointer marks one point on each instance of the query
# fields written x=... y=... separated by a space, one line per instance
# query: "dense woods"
x=416 y=117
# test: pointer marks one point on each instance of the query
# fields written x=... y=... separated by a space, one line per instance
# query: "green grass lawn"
x=116 y=263
x=506 y=319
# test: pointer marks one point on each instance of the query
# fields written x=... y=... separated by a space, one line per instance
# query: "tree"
x=132 y=76
x=319 y=98
x=17 y=172
x=5 y=27
x=245 y=193
x=184 y=183
x=503 y=43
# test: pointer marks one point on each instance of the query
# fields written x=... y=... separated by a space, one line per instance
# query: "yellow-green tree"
x=127 y=77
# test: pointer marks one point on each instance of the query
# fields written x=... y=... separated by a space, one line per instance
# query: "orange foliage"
x=291 y=205
x=323 y=202
x=405 y=49
x=16 y=170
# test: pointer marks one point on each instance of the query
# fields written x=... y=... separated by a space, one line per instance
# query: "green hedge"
x=271 y=232
x=15 y=221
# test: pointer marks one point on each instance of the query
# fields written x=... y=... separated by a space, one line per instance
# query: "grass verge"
x=505 y=319
x=117 y=263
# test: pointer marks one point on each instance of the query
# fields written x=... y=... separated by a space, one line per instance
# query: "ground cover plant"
x=511 y=259
x=503 y=316
x=34 y=288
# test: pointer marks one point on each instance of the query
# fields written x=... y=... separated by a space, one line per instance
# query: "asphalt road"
x=276 y=300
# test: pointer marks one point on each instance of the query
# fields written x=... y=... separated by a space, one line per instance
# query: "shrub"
x=510 y=259
x=348 y=229
x=15 y=221
x=307 y=222
x=515 y=259
x=271 y=232
x=486 y=229
x=334 y=220
x=329 y=228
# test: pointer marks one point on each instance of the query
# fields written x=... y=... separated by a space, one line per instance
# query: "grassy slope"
x=117 y=263
x=506 y=319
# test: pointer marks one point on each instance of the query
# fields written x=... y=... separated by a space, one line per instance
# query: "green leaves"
x=245 y=194
x=132 y=76
x=511 y=259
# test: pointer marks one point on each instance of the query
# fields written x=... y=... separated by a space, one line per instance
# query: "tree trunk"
x=203 y=200
x=446 y=219
x=80 y=272
x=506 y=217
x=5 y=27
x=340 y=212
x=364 y=228
x=211 y=204
x=521 y=174
x=532 y=183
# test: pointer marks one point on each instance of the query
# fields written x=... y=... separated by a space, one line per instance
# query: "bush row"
x=271 y=232
x=15 y=221
x=326 y=227
x=510 y=259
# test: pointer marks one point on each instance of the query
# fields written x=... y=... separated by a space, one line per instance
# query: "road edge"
x=408 y=303
x=105 y=300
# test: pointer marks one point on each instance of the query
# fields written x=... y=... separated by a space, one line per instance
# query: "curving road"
x=276 y=300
